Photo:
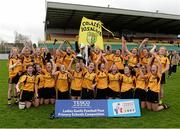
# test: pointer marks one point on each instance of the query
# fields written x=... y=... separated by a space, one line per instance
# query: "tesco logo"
x=81 y=103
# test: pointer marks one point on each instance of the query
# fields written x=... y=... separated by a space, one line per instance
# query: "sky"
x=27 y=16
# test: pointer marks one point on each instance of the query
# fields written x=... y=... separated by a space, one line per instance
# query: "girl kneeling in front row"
x=154 y=80
x=28 y=85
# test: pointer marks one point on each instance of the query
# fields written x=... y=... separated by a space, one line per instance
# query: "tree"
x=20 y=38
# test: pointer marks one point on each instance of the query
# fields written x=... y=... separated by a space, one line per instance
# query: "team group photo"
x=97 y=67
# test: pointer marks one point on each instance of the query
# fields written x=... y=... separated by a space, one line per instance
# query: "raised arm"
x=70 y=64
x=60 y=46
x=54 y=72
x=153 y=49
x=142 y=43
x=125 y=46
x=159 y=63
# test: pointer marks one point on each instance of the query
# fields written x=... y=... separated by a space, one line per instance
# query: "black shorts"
x=76 y=93
x=128 y=94
x=101 y=93
x=140 y=94
x=152 y=96
x=15 y=79
x=174 y=68
x=87 y=94
x=27 y=96
x=121 y=71
x=41 y=93
x=111 y=93
x=49 y=93
x=133 y=71
x=163 y=78
x=63 y=95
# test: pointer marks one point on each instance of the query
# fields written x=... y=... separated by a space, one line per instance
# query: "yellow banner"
x=90 y=32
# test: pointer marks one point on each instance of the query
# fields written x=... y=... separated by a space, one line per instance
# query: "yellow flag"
x=90 y=32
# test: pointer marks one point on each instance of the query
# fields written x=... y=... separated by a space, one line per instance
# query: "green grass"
x=38 y=117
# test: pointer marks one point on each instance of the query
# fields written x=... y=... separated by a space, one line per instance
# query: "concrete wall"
x=4 y=56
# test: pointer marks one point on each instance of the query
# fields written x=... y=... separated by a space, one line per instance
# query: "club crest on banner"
x=90 y=33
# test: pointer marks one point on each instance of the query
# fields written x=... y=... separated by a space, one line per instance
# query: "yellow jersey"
x=154 y=82
x=27 y=60
x=114 y=81
x=102 y=79
x=76 y=83
x=109 y=58
x=164 y=61
x=94 y=57
x=18 y=68
x=49 y=80
x=62 y=82
x=39 y=60
x=141 y=82
x=39 y=81
x=144 y=60
x=67 y=59
x=133 y=60
x=118 y=62
x=88 y=80
x=127 y=82
x=28 y=82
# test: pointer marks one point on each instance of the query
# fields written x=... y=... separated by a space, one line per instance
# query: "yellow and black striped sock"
x=15 y=99
x=9 y=101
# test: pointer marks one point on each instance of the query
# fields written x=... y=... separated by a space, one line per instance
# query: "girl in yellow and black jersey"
x=133 y=58
x=109 y=56
x=38 y=58
x=154 y=79
x=118 y=60
x=15 y=71
x=62 y=83
x=27 y=58
x=58 y=59
x=89 y=82
x=141 y=85
x=49 y=84
x=144 y=55
x=127 y=84
x=67 y=56
x=39 y=82
x=76 y=80
x=27 y=83
x=101 y=77
x=113 y=83
x=95 y=55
